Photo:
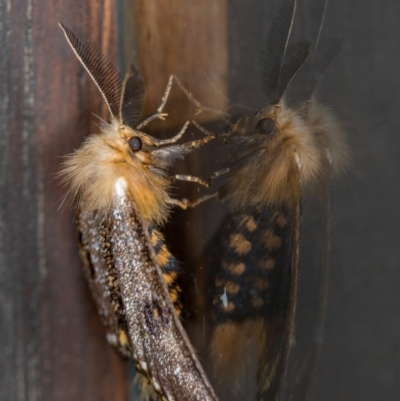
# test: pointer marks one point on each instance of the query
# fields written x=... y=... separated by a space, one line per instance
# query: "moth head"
x=116 y=152
x=120 y=150
x=274 y=157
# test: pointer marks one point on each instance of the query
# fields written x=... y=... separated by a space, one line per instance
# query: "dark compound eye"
x=135 y=143
x=265 y=125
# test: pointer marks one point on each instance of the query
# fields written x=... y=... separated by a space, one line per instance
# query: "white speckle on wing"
x=112 y=338
x=156 y=385
x=143 y=365
x=224 y=298
x=169 y=396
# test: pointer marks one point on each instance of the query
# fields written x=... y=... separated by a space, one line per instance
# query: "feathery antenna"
x=132 y=97
x=103 y=72
x=273 y=52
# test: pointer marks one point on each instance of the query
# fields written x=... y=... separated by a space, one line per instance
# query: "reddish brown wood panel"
x=188 y=39
x=52 y=344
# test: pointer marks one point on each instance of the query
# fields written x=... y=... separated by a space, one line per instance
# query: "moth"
x=121 y=178
x=273 y=159
x=315 y=244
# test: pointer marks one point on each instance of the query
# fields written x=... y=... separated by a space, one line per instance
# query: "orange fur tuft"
x=92 y=171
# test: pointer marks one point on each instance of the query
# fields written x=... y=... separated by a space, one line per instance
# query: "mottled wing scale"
x=160 y=345
x=131 y=294
x=95 y=252
x=100 y=68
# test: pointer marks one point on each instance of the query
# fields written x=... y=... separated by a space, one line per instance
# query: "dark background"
x=51 y=343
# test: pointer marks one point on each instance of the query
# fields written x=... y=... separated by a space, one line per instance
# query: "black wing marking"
x=132 y=98
x=161 y=347
x=103 y=72
x=274 y=49
x=295 y=58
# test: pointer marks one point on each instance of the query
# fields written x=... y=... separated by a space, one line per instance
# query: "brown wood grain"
x=52 y=344
x=187 y=38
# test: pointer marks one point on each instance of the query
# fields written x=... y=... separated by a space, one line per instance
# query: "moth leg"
x=198 y=143
x=192 y=178
x=158 y=114
x=199 y=107
x=174 y=139
x=186 y=204
x=182 y=203
x=198 y=180
x=202 y=199
x=218 y=173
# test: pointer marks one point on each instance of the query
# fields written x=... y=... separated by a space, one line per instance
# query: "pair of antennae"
x=124 y=100
x=279 y=62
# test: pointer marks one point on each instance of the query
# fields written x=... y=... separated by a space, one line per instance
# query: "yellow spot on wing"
x=235 y=268
x=271 y=240
x=257 y=302
x=262 y=284
x=232 y=288
x=163 y=256
x=248 y=222
x=240 y=244
x=170 y=277
x=123 y=338
x=173 y=295
x=155 y=236
x=268 y=264
x=229 y=307
x=281 y=220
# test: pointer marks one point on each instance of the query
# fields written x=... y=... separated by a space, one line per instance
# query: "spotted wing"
x=254 y=276
x=95 y=254
x=160 y=347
